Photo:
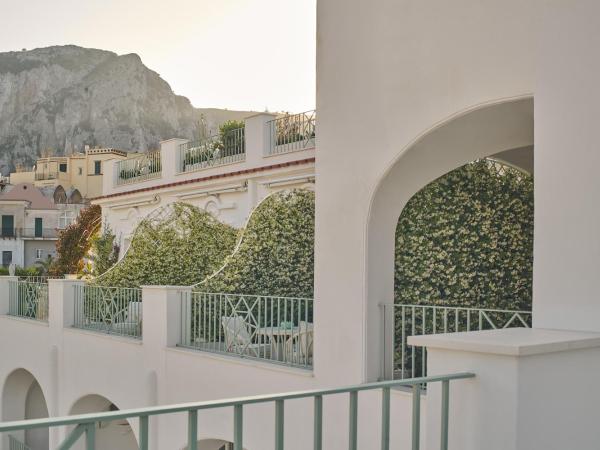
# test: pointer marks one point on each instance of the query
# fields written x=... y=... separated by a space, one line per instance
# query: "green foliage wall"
x=466 y=239
x=179 y=245
x=276 y=253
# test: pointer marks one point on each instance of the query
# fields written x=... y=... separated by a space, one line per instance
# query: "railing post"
x=238 y=427
x=61 y=302
x=279 y=425
x=5 y=283
x=193 y=430
x=385 y=419
x=416 y=417
x=445 y=414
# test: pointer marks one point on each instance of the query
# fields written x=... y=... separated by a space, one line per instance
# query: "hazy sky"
x=236 y=54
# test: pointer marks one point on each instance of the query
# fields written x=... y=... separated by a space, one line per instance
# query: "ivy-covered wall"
x=178 y=245
x=276 y=253
x=466 y=239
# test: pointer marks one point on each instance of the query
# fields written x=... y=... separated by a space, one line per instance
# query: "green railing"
x=86 y=424
x=402 y=321
x=213 y=151
x=110 y=310
x=28 y=300
x=15 y=444
x=142 y=167
x=267 y=328
x=291 y=133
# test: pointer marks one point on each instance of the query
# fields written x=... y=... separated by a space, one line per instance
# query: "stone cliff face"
x=62 y=98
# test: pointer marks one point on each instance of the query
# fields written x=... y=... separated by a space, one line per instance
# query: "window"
x=80 y=171
x=8 y=226
x=39 y=253
x=6 y=258
x=62 y=167
x=39 y=227
x=97 y=167
x=66 y=219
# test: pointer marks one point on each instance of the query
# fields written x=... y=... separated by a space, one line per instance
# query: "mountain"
x=62 y=98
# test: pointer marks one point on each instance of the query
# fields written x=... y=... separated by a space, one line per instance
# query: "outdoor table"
x=277 y=337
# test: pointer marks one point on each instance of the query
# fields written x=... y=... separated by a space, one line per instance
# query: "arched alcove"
x=480 y=132
x=23 y=398
x=109 y=435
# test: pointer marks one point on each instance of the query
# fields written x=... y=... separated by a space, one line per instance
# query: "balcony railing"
x=402 y=321
x=213 y=151
x=39 y=278
x=142 y=167
x=46 y=176
x=273 y=329
x=15 y=444
x=40 y=233
x=109 y=310
x=291 y=133
x=28 y=300
x=86 y=424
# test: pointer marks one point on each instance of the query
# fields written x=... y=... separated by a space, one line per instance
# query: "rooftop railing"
x=28 y=300
x=142 y=167
x=218 y=150
x=109 y=310
x=273 y=329
x=43 y=176
x=406 y=361
x=86 y=424
x=291 y=133
x=15 y=444
x=41 y=233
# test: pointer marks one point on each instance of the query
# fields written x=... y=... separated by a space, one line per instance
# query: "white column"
x=534 y=389
x=4 y=293
x=256 y=137
x=170 y=158
x=161 y=329
x=61 y=300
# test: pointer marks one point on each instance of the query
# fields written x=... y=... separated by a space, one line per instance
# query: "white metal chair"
x=298 y=349
x=238 y=338
x=132 y=323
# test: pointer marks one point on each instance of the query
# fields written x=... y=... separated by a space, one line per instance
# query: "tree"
x=75 y=241
x=105 y=251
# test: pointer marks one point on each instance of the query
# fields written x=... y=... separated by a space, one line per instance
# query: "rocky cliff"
x=62 y=98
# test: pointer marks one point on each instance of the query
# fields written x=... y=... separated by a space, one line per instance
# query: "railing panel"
x=213 y=151
x=291 y=133
x=142 y=167
x=274 y=329
x=409 y=320
x=28 y=300
x=109 y=310
x=15 y=444
x=86 y=424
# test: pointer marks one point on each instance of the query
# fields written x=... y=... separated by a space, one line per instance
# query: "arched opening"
x=23 y=399
x=60 y=195
x=109 y=435
x=75 y=196
x=502 y=128
x=213 y=444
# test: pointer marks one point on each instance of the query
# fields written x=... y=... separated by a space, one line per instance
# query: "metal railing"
x=109 y=310
x=39 y=278
x=142 y=167
x=46 y=176
x=402 y=321
x=273 y=329
x=291 y=133
x=43 y=233
x=15 y=444
x=213 y=151
x=28 y=300
x=86 y=424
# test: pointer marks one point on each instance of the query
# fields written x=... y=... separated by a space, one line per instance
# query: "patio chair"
x=132 y=323
x=298 y=349
x=239 y=340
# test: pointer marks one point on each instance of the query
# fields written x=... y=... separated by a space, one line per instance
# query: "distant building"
x=30 y=220
x=80 y=172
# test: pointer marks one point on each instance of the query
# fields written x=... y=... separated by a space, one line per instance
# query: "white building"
x=226 y=176
x=407 y=91
x=31 y=218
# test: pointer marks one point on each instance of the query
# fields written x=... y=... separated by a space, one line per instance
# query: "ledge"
x=511 y=341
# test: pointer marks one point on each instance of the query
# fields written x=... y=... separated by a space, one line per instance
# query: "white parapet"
x=534 y=389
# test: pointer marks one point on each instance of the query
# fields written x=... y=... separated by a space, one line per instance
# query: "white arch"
x=110 y=435
x=473 y=134
x=23 y=398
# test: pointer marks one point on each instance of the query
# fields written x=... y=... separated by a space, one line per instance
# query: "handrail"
x=85 y=422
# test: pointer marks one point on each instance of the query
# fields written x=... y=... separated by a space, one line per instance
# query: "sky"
x=235 y=54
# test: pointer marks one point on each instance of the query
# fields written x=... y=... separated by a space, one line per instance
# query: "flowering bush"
x=466 y=239
x=178 y=245
x=275 y=255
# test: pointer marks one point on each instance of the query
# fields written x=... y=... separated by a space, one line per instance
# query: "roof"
x=28 y=192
